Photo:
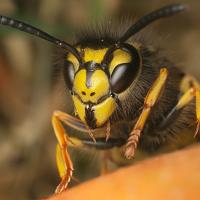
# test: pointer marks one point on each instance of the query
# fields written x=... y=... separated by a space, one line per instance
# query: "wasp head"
x=95 y=83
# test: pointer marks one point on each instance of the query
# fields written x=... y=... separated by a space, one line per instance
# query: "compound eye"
x=71 y=65
x=69 y=73
x=123 y=73
x=121 y=77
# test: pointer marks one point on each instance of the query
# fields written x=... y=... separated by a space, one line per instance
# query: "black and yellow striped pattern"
x=97 y=92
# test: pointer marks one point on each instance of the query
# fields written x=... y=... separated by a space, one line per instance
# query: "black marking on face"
x=90 y=117
x=88 y=78
x=90 y=68
x=83 y=93
x=92 y=94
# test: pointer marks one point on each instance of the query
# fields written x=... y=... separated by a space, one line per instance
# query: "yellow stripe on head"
x=73 y=60
x=119 y=57
x=95 y=55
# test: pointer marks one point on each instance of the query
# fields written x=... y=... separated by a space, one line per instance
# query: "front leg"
x=64 y=163
x=63 y=160
x=149 y=102
x=62 y=149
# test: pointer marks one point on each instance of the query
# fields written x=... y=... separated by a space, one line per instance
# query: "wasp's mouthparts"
x=90 y=117
x=94 y=115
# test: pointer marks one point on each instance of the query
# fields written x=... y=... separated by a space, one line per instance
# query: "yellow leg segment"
x=197 y=110
x=149 y=102
x=190 y=93
x=67 y=166
x=63 y=160
x=59 y=158
x=186 y=98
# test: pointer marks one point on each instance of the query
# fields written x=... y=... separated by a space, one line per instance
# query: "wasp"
x=125 y=93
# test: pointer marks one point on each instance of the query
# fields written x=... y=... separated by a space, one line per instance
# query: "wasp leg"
x=183 y=101
x=197 y=94
x=66 y=160
x=59 y=157
x=192 y=91
x=64 y=163
x=149 y=102
x=75 y=123
x=71 y=121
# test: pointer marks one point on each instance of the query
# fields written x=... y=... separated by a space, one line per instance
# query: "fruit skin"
x=170 y=176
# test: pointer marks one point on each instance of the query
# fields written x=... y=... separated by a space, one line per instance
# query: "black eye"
x=69 y=73
x=124 y=74
x=121 y=77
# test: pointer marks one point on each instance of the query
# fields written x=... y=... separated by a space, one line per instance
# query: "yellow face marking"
x=73 y=60
x=104 y=110
x=95 y=55
x=119 y=57
x=80 y=108
x=99 y=85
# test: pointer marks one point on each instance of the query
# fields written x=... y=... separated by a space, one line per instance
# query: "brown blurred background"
x=30 y=90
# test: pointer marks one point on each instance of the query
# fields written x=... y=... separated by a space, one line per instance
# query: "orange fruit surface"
x=173 y=176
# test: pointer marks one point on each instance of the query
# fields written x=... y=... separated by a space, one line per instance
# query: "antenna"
x=151 y=17
x=39 y=33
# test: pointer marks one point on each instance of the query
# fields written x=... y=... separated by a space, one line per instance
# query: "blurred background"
x=30 y=89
